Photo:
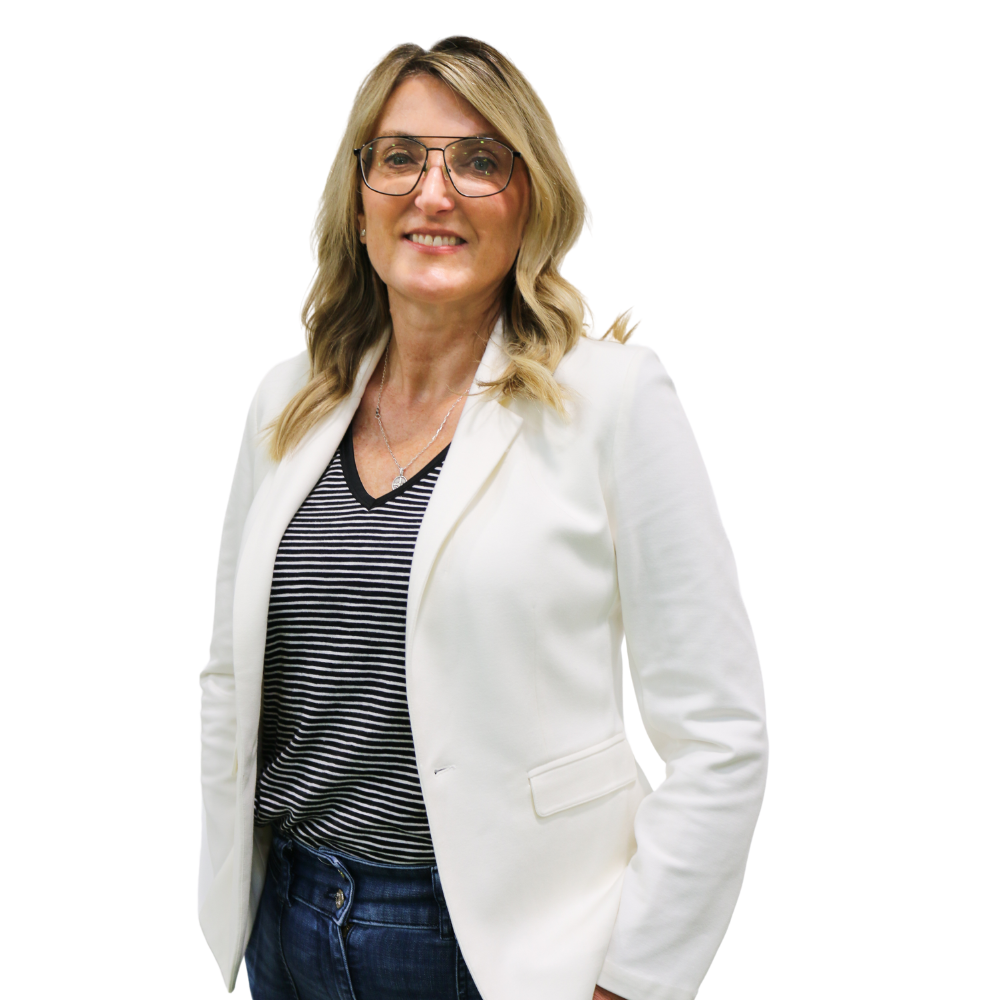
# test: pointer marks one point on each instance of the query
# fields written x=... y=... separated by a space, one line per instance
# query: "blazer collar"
x=484 y=434
x=273 y=508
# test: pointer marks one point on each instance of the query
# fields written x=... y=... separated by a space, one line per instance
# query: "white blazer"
x=546 y=540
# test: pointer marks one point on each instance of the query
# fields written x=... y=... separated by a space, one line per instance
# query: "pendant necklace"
x=401 y=478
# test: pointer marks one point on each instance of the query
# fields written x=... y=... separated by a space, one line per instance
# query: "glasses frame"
x=444 y=159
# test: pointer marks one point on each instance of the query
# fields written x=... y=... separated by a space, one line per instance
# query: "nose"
x=434 y=192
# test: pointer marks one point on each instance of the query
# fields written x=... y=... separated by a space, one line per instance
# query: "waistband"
x=341 y=886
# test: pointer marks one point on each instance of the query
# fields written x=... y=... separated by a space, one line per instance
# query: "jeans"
x=332 y=927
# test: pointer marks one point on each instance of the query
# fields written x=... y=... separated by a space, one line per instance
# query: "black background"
x=710 y=256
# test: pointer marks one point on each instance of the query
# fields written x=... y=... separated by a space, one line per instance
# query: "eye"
x=397 y=158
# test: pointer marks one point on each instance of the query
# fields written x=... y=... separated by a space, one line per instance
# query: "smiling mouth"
x=426 y=240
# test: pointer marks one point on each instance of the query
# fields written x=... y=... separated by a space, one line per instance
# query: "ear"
x=361 y=227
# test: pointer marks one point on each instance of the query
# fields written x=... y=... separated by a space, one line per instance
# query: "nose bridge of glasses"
x=441 y=164
x=427 y=156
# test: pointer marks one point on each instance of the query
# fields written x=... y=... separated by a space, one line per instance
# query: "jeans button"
x=338 y=898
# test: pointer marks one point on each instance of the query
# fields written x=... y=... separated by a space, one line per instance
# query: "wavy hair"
x=347 y=308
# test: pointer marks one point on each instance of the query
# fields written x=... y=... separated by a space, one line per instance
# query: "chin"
x=433 y=288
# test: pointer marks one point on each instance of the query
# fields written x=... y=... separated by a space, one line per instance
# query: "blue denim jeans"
x=332 y=927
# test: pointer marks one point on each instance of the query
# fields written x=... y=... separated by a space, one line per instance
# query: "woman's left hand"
x=602 y=994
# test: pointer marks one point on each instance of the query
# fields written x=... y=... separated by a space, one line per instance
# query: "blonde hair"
x=347 y=308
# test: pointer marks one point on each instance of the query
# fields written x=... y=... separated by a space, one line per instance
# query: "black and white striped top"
x=337 y=765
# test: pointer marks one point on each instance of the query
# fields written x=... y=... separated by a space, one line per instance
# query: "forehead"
x=423 y=105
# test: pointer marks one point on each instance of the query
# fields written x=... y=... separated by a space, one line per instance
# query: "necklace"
x=401 y=478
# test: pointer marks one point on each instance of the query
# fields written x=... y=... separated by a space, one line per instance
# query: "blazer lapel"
x=291 y=482
x=485 y=432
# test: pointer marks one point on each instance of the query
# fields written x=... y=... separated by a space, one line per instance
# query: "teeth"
x=424 y=239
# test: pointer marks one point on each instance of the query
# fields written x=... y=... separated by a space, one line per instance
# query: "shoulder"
x=277 y=388
x=605 y=372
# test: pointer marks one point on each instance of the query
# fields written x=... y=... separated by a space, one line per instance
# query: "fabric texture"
x=337 y=765
x=548 y=540
x=332 y=927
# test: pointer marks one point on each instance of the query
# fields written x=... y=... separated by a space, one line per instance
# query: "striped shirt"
x=337 y=764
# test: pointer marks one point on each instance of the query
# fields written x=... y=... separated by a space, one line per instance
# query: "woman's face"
x=469 y=274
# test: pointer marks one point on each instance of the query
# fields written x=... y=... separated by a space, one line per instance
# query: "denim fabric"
x=332 y=927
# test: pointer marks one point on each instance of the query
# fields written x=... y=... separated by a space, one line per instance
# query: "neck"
x=436 y=348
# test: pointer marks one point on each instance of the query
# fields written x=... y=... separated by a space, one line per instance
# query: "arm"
x=697 y=680
x=218 y=705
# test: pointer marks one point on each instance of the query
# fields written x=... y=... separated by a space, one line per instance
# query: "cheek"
x=502 y=236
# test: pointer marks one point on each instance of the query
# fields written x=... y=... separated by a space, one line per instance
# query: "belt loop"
x=444 y=918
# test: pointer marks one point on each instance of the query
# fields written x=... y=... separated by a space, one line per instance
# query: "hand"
x=602 y=994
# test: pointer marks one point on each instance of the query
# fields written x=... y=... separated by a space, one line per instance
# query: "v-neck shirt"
x=337 y=764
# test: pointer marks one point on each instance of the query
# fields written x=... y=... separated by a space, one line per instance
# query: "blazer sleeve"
x=698 y=685
x=218 y=688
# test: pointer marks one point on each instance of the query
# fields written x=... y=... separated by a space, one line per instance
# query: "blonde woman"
x=446 y=516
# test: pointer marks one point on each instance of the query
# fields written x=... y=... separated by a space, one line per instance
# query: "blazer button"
x=338 y=898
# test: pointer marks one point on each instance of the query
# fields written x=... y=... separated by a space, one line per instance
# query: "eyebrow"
x=413 y=135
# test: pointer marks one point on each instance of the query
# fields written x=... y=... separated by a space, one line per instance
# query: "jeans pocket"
x=400 y=962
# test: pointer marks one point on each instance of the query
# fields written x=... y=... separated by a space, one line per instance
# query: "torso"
x=409 y=428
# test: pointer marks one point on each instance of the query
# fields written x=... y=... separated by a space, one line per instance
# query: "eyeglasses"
x=477 y=166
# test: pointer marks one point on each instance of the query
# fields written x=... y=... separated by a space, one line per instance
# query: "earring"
x=363 y=231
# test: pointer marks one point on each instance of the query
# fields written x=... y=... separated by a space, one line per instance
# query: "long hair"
x=347 y=308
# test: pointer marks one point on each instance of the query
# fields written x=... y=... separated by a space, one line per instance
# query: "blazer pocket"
x=582 y=776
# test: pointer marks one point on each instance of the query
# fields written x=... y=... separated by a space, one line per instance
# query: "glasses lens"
x=478 y=167
x=392 y=164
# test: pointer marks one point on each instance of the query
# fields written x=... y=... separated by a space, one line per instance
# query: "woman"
x=445 y=517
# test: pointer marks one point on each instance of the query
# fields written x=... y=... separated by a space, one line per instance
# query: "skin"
x=444 y=300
